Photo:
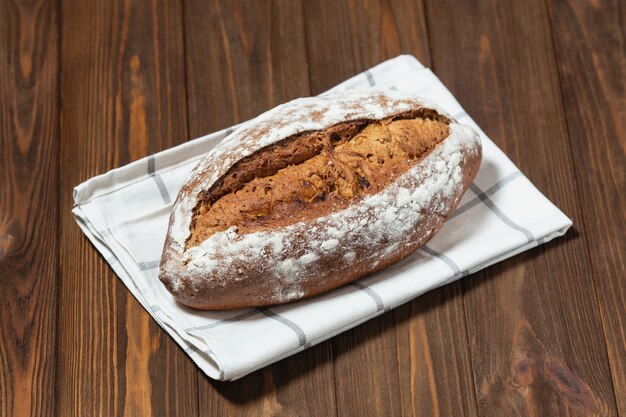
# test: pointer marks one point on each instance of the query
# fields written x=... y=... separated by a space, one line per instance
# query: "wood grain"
x=29 y=176
x=400 y=363
x=534 y=325
x=433 y=355
x=590 y=42
x=86 y=86
x=243 y=59
x=347 y=37
x=123 y=95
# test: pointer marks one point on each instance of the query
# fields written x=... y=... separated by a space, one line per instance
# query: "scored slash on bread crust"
x=313 y=174
x=229 y=268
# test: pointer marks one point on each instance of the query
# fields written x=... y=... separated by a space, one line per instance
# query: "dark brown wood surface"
x=534 y=367
x=29 y=207
x=122 y=97
x=86 y=86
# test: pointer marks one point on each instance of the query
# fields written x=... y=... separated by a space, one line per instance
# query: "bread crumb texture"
x=313 y=174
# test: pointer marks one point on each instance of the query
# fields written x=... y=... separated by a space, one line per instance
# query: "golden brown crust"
x=237 y=294
x=285 y=263
x=322 y=173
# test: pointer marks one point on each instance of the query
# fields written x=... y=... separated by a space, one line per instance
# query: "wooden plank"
x=348 y=37
x=123 y=95
x=242 y=59
x=589 y=40
x=434 y=364
x=533 y=321
x=29 y=158
x=417 y=357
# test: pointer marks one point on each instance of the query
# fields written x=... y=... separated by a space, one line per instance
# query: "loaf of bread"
x=312 y=195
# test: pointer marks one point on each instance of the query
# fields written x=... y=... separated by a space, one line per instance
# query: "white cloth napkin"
x=125 y=213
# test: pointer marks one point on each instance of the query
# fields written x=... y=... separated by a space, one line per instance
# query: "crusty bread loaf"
x=312 y=195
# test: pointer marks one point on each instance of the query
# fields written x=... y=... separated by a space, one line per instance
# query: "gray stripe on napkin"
x=503 y=217
x=139 y=293
x=451 y=264
x=492 y=190
x=145 y=266
x=293 y=326
x=238 y=317
x=370 y=78
x=373 y=294
x=195 y=349
x=493 y=259
x=158 y=180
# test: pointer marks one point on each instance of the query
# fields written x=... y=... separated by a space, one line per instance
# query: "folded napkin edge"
x=218 y=360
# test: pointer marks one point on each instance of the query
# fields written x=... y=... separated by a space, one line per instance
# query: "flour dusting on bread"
x=304 y=258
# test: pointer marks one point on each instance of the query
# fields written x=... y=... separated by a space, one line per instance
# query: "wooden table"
x=90 y=85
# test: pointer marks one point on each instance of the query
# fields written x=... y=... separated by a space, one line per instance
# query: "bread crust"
x=230 y=270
